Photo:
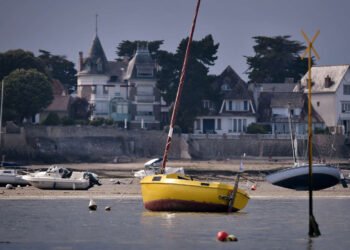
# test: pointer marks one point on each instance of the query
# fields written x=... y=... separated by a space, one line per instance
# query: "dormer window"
x=144 y=71
x=346 y=89
x=225 y=87
x=99 y=67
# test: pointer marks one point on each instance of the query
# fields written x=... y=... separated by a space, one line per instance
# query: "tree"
x=197 y=84
x=58 y=67
x=128 y=48
x=19 y=59
x=80 y=109
x=275 y=59
x=26 y=92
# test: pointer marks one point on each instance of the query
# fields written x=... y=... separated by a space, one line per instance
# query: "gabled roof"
x=269 y=100
x=238 y=89
x=336 y=74
x=59 y=104
x=273 y=87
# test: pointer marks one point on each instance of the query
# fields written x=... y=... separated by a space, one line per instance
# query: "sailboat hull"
x=297 y=178
x=174 y=192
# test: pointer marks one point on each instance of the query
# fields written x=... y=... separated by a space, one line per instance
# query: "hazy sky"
x=65 y=27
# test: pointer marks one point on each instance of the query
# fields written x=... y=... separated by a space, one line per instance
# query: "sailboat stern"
x=176 y=192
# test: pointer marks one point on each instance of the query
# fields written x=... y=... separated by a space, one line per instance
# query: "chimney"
x=80 y=60
x=327 y=82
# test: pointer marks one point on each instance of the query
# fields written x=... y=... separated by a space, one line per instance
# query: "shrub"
x=255 y=128
x=52 y=119
x=66 y=121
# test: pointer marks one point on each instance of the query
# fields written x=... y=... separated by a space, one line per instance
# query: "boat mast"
x=179 y=90
x=1 y=108
x=292 y=137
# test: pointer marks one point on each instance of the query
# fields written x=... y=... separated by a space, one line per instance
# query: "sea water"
x=263 y=224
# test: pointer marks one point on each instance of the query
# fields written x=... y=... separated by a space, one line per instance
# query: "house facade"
x=236 y=110
x=330 y=93
x=124 y=91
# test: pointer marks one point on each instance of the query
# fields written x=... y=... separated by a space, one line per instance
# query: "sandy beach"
x=118 y=181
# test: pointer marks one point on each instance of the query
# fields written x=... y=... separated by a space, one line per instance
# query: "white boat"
x=297 y=177
x=61 y=178
x=152 y=167
x=13 y=177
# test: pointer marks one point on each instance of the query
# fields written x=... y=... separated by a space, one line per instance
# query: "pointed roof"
x=231 y=85
x=141 y=60
x=96 y=50
x=96 y=62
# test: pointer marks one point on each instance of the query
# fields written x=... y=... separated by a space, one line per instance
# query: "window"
x=229 y=105
x=225 y=87
x=198 y=124
x=245 y=105
x=105 y=90
x=234 y=125
x=218 y=124
x=345 y=107
x=144 y=71
x=244 y=125
x=346 y=89
x=206 y=104
x=93 y=89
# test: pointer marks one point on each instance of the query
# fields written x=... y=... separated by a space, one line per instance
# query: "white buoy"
x=9 y=186
x=92 y=205
x=108 y=208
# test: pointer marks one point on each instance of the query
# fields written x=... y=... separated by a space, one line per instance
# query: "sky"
x=66 y=27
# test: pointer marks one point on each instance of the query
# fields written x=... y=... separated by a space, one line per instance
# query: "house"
x=275 y=107
x=59 y=105
x=124 y=91
x=236 y=110
x=330 y=93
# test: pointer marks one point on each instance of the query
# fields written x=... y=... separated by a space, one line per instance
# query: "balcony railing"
x=145 y=98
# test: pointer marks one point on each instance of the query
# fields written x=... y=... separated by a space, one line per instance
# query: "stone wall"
x=112 y=144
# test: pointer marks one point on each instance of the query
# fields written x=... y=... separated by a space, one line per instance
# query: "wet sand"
x=118 y=181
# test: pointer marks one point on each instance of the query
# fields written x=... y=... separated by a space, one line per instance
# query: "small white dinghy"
x=152 y=167
x=61 y=178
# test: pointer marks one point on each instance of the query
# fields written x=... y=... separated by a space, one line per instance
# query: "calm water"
x=264 y=224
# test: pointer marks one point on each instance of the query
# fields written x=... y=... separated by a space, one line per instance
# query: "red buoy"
x=222 y=236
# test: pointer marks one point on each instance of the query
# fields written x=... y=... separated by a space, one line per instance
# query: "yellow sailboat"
x=177 y=192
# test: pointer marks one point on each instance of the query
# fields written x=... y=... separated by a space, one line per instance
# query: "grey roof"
x=283 y=100
x=269 y=100
x=96 y=62
x=273 y=87
x=336 y=74
x=238 y=88
x=141 y=60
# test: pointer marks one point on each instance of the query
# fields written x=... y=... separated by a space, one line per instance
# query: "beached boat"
x=297 y=176
x=13 y=177
x=178 y=192
x=175 y=192
x=152 y=167
x=61 y=178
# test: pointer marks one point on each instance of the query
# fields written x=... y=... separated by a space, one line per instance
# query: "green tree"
x=19 y=59
x=26 y=92
x=128 y=48
x=80 y=109
x=275 y=59
x=197 y=84
x=52 y=119
x=58 y=67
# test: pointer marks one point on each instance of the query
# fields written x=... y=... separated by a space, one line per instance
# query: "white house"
x=120 y=90
x=236 y=112
x=330 y=95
